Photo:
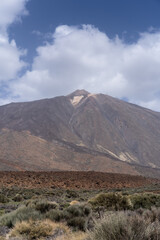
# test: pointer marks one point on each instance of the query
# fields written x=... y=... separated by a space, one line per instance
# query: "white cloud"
x=11 y=11
x=86 y=58
x=10 y=54
x=10 y=59
x=79 y=57
x=76 y=58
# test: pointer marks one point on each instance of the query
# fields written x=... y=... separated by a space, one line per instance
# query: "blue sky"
x=125 y=18
x=52 y=47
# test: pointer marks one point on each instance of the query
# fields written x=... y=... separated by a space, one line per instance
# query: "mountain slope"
x=22 y=151
x=80 y=131
x=127 y=130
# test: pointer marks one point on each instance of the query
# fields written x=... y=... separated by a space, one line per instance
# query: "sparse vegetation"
x=80 y=214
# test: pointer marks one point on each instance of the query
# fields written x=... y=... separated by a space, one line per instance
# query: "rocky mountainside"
x=80 y=131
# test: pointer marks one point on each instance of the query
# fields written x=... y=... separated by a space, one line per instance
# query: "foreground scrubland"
x=78 y=206
x=66 y=214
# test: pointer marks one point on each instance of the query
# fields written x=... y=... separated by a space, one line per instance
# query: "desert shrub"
x=145 y=200
x=3 y=198
x=79 y=210
x=54 y=215
x=153 y=231
x=124 y=226
x=18 y=198
x=78 y=223
x=153 y=214
x=32 y=202
x=112 y=227
x=33 y=229
x=23 y=213
x=78 y=216
x=32 y=210
x=2 y=211
x=28 y=195
x=111 y=201
x=42 y=229
x=73 y=211
x=44 y=206
x=71 y=194
x=140 y=211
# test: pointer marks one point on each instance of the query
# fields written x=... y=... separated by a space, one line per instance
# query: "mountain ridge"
x=95 y=123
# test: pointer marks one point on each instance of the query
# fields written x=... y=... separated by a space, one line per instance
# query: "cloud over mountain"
x=84 y=57
x=79 y=57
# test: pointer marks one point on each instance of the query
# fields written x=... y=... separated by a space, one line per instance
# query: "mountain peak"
x=77 y=96
x=79 y=92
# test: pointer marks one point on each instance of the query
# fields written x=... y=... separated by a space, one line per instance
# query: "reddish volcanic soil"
x=72 y=180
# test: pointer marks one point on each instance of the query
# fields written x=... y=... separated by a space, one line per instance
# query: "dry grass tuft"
x=74 y=202
x=40 y=229
x=46 y=228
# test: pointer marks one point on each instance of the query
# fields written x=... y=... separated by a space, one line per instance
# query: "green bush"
x=145 y=200
x=33 y=209
x=78 y=223
x=111 y=201
x=23 y=213
x=78 y=210
x=44 y=206
x=78 y=216
x=54 y=215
